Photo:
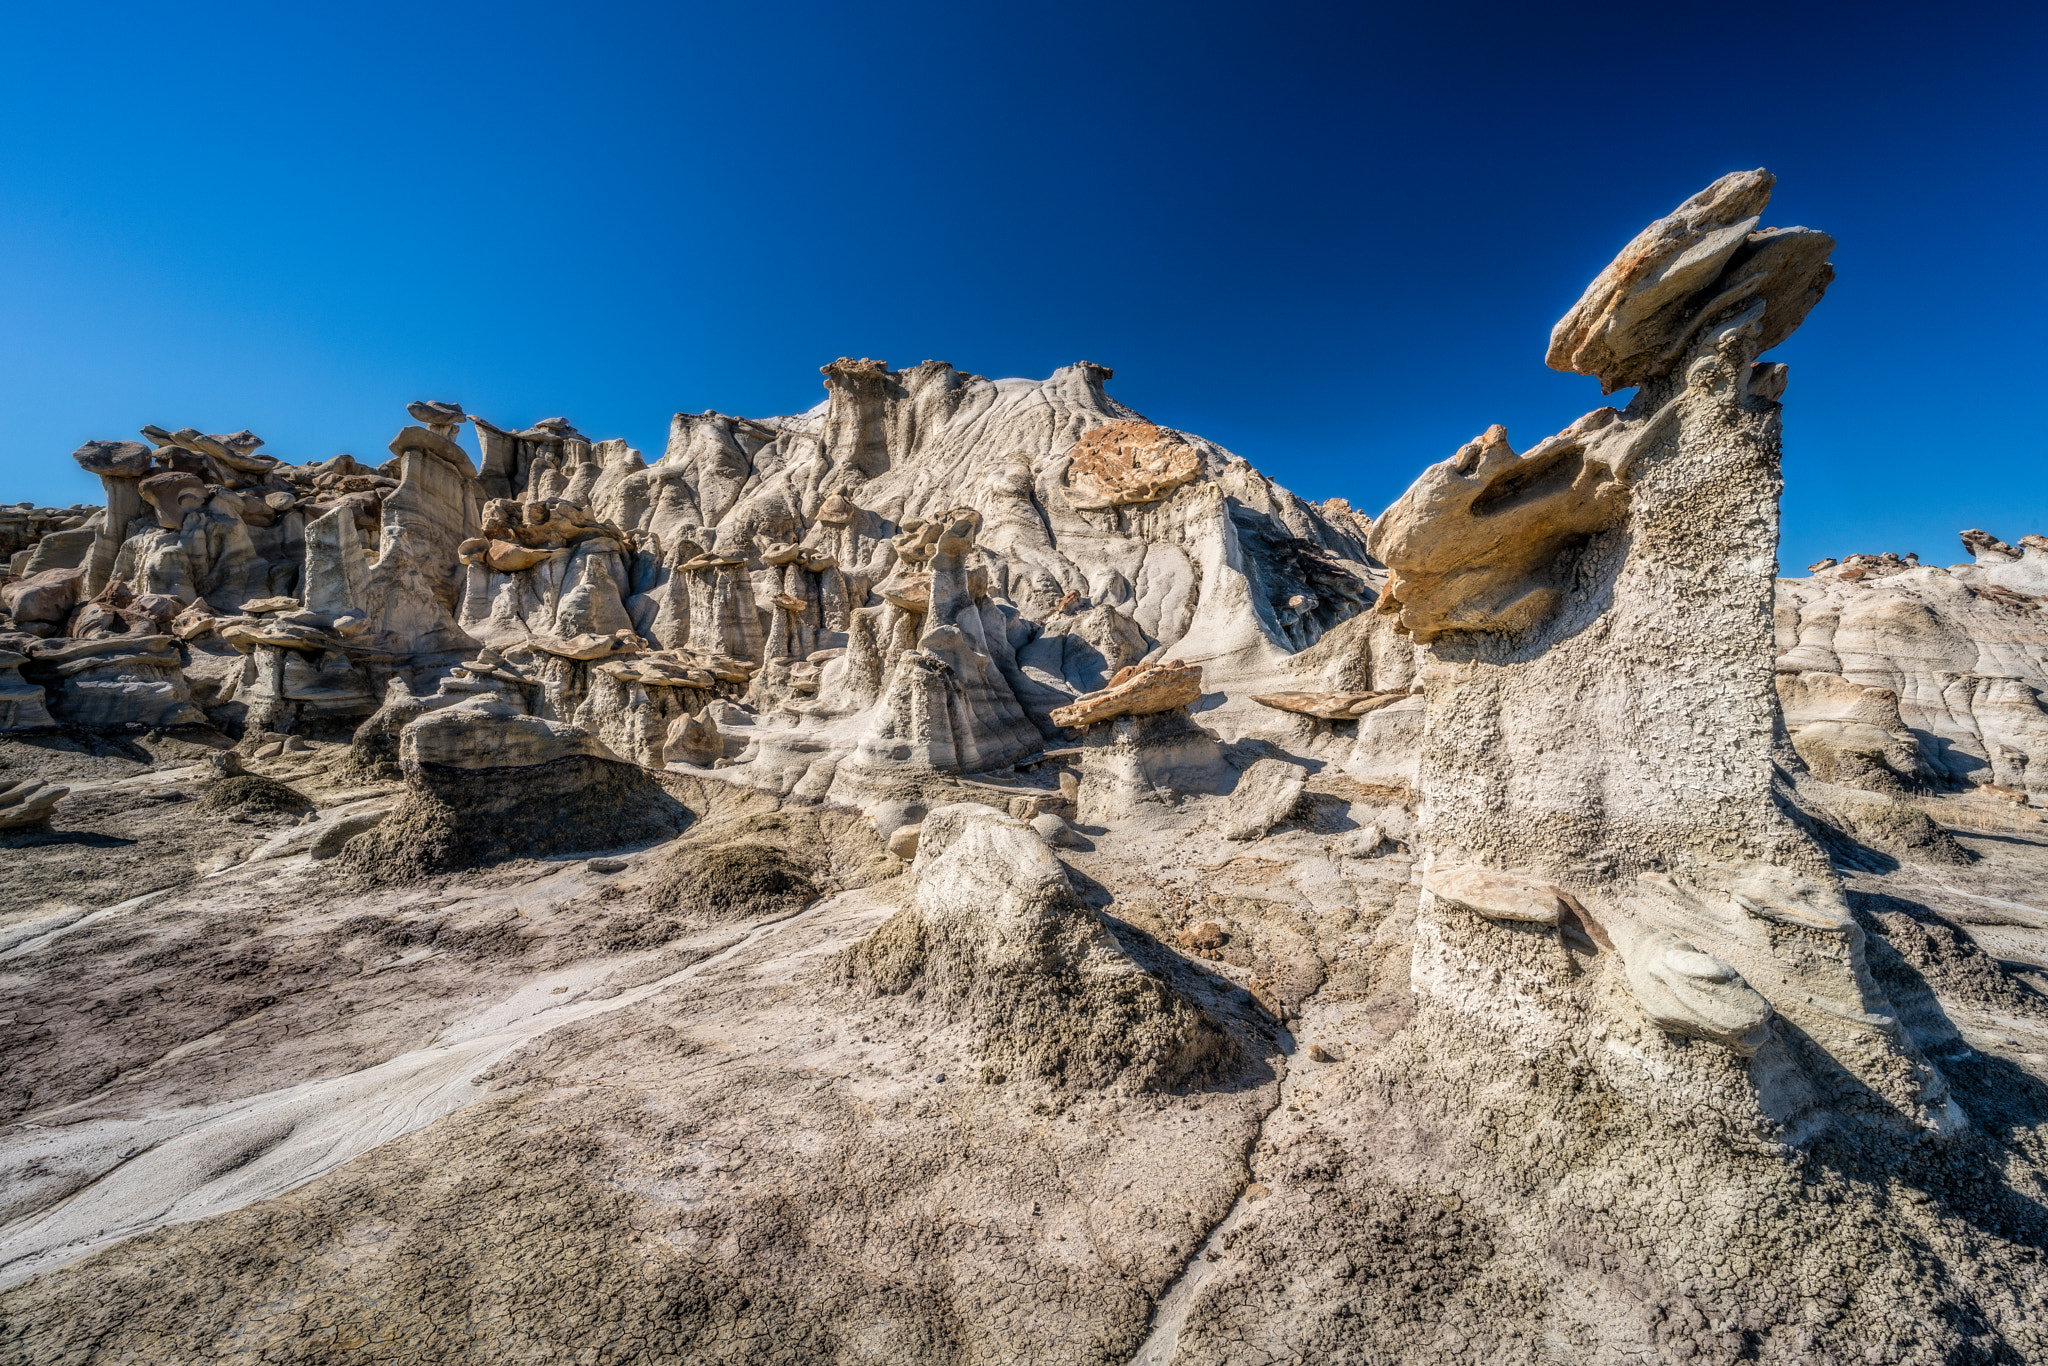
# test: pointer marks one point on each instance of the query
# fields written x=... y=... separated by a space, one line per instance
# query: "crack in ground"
x=1170 y=1314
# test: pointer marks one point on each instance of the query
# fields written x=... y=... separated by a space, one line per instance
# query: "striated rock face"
x=1929 y=674
x=661 y=895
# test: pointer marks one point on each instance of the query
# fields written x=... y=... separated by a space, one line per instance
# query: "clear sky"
x=1333 y=238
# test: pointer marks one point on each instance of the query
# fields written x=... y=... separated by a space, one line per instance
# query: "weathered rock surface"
x=1706 y=258
x=1266 y=794
x=28 y=803
x=1128 y=462
x=1331 y=706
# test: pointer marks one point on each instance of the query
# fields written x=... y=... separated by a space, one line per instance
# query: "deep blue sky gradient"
x=1332 y=238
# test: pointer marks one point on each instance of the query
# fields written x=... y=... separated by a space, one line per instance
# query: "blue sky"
x=1332 y=238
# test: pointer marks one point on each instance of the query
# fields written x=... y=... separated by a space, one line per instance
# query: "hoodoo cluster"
x=1057 y=895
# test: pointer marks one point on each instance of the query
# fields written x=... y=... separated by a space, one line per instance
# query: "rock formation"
x=968 y=872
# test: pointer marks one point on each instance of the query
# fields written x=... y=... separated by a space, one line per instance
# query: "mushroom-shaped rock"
x=28 y=802
x=1495 y=895
x=1685 y=991
x=1134 y=762
x=115 y=459
x=431 y=442
x=1695 y=264
x=1128 y=462
x=1136 y=690
x=120 y=466
x=173 y=494
x=435 y=413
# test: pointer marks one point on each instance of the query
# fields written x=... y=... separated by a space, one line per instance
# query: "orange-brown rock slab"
x=1137 y=690
x=1330 y=706
x=1128 y=462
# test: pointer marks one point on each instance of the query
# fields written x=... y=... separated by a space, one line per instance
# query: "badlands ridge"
x=969 y=874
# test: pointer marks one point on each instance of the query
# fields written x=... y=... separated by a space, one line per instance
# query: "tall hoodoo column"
x=1598 y=617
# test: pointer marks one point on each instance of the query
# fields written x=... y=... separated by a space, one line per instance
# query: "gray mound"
x=452 y=819
x=997 y=933
x=254 y=793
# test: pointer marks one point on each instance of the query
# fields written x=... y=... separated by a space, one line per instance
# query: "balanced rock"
x=1136 y=690
x=1705 y=258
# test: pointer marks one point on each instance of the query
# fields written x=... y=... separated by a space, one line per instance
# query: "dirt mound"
x=738 y=881
x=452 y=819
x=1059 y=1025
x=254 y=793
x=997 y=933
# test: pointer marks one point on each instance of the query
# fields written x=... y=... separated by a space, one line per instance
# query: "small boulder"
x=1055 y=831
x=1266 y=795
